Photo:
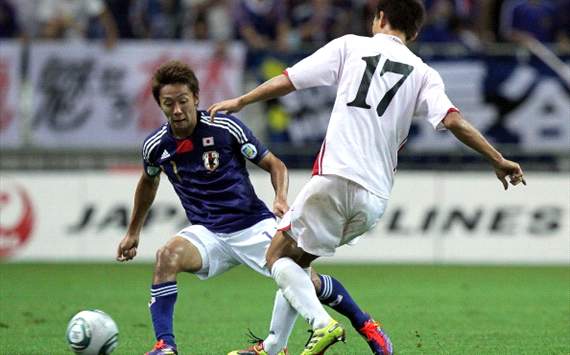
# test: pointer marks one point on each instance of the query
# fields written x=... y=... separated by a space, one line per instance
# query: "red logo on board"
x=17 y=220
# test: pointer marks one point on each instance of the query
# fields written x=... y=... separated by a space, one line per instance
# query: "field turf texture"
x=425 y=309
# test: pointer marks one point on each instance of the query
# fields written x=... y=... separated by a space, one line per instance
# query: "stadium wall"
x=431 y=218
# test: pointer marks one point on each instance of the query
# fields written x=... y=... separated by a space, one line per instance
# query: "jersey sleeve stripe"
x=224 y=126
x=221 y=125
x=235 y=125
x=152 y=138
x=151 y=147
x=152 y=142
x=232 y=125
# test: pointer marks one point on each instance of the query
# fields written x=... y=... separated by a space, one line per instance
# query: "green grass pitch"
x=425 y=309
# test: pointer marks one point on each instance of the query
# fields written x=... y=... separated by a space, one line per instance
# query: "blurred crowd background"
x=496 y=35
x=279 y=25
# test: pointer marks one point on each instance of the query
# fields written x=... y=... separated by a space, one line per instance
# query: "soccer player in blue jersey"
x=205 y=161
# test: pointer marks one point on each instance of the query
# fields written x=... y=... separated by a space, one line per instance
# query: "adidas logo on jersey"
x=165 y=155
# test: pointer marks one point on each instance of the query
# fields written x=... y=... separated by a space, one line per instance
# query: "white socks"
x=298 y=289
x=282 y=322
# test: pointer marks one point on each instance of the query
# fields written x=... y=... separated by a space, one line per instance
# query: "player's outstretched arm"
x=471 y=137
x=279 y=180
x=144 y=196
x=272 y=88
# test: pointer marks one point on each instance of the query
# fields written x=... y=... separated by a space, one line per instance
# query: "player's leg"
x=248 y=247
x=176 y=256
x=332 y=293
x=286 y=262
x=311 y=228
x=367 y=210
x=298 y=289
x=316 y=226
x=282 y=322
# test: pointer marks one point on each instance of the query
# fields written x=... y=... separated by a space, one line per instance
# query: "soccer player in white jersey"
x=206 y=164
x=382 y=86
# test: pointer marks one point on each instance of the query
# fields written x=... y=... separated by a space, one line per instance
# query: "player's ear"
x=414 y=37
x=382 y=19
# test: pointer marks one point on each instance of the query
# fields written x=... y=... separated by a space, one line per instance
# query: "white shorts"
x=330 y=211
x=222 y=251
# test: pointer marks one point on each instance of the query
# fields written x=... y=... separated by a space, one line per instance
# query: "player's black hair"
x=403 y=15
x=174 y=72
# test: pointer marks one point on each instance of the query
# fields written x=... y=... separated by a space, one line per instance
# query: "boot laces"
x=311 y=333
x=159 y=345
x=254 y=339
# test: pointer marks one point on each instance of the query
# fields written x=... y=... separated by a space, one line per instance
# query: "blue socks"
x=163 y=297
x=334 y=295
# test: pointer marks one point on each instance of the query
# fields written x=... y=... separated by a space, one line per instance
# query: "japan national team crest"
x=211 y=160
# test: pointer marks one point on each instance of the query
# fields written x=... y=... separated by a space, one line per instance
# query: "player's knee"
x=167 y=260
x=273 y=253
x=281 y=246
x=270 y=258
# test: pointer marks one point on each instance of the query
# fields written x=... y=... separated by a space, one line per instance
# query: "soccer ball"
x=92 y=332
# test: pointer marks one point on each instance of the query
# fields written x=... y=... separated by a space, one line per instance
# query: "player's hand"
x=226 y=106
x=127 y=249
x=280 y=207
x=506 y=168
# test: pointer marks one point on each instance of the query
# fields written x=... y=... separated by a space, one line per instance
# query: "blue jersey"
x=208 y=172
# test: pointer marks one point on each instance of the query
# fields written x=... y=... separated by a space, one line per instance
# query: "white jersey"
x=382 y=85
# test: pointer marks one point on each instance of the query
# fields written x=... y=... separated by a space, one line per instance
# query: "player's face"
x=179 y=105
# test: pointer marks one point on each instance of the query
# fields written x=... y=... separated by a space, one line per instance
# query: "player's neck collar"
x=392 y=36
